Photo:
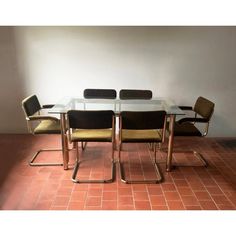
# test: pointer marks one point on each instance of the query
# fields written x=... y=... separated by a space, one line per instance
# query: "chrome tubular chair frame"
x=76 y=169
x=32 y=109
x=32 y=163
x=126 y=181
x=93 y=116
x=162 y=116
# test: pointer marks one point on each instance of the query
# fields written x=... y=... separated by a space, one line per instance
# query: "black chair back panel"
x=100 y=93
x=31 y=105
x=204 y=107
x=135 y=94
x=90 y=119
x=143 y=120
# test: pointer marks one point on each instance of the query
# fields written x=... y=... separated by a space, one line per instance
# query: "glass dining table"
x=117 y=105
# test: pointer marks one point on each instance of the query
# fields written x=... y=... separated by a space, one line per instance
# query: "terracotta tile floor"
x=51 y=188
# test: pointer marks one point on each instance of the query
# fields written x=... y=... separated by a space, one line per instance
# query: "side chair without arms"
x=98 y=94
x=136 y=94
x=45 y=125
x=91 y=126
x=126 y=94
x=141 y=127
x=203 y=111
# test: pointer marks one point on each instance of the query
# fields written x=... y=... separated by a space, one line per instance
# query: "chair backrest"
x=31 y=105
x=90 y=119
x=100 y=93
x=135 y=94
x=143 y=119
x=204 y=107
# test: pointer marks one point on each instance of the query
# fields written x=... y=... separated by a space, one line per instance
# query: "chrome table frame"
x=62 y=108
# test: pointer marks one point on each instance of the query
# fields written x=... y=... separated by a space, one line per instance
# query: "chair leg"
x=126 y=181
x=150 y=145
x=32 y=163
x=83 y=145
x=199 y=156
x=76 y=169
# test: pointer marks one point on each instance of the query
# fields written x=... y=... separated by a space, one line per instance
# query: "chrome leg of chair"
x=196 y=154
x=77 y=151
x=150 y=145
x=32 y=163
x=126 y=181
x=83 y=145
x=76 y=169
x=199 y=156
x=156 y=164
x=113 y=169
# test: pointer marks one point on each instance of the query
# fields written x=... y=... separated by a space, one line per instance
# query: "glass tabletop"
x=117 y=105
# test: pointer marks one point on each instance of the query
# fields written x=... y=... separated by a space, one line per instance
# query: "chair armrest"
x=192 y=119
x=42 y=118
x=46 y=106
x=186 y=108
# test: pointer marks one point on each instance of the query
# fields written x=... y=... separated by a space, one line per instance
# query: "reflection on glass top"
x=117 y=105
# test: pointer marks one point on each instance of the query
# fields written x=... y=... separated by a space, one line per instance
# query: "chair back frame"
x=80 y=119
x=126 y=94
x=205 y=109
x=100 y=93
x=145 y=120
x=30 y=106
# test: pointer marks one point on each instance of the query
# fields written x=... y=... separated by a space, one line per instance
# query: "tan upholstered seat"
x=40 y=124
x=96 y=135
x=48 y=127
x=91 y=126
x=141 y=127
x=136 y=136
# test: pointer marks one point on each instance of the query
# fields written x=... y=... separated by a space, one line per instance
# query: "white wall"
x=176 y=62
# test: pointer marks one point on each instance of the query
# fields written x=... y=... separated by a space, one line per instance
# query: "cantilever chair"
x=91 y=126
x=135 y=94
x=203 y=110
x=98 y=94
x=45 y=125
x=141 y=127
x=126 y=94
